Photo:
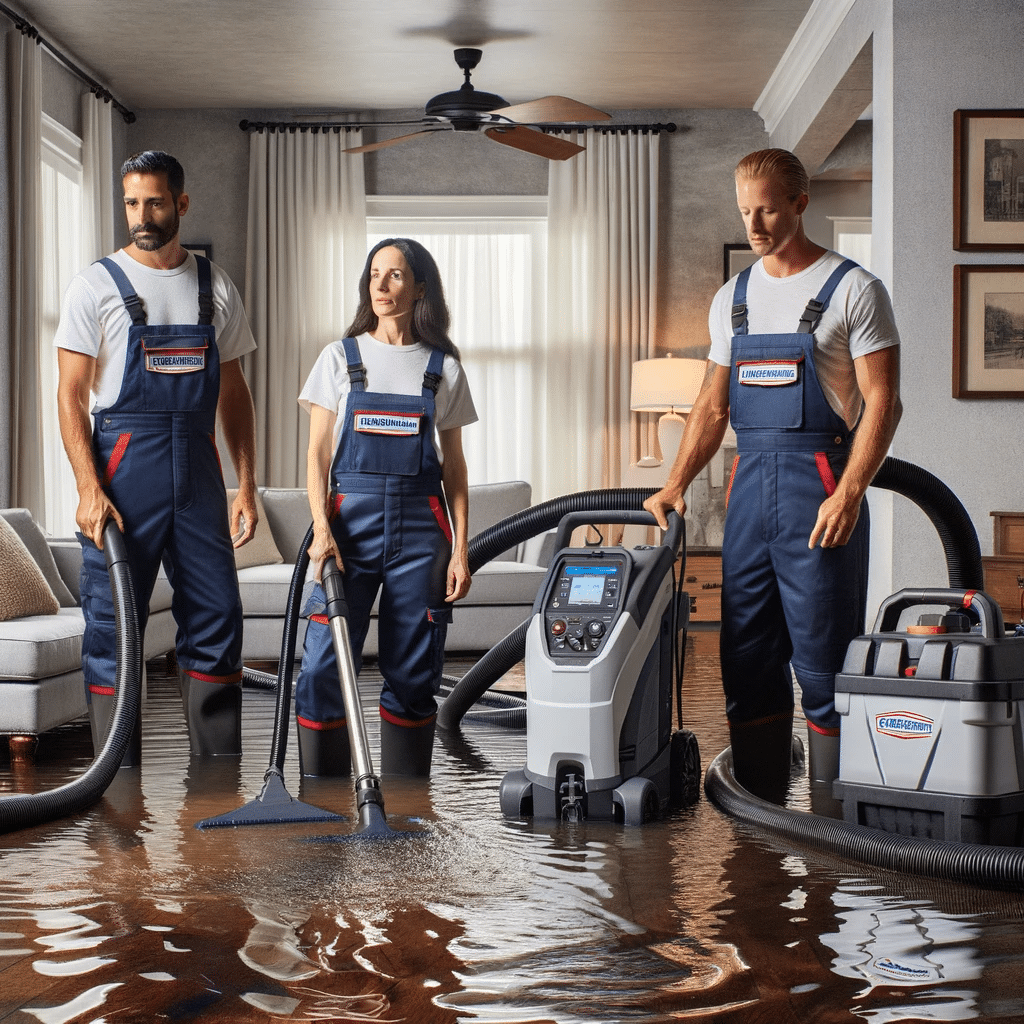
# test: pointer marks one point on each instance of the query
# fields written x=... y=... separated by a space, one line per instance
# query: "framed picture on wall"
x=988 y=331
x=736 y=257
x=199 y=248
x=988 y=180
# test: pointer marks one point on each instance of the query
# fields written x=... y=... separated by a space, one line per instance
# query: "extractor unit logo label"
x=904 y=725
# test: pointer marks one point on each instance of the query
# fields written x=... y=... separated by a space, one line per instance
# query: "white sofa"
x=41 y=684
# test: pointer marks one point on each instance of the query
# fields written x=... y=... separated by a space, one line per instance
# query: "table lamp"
x=667 y=385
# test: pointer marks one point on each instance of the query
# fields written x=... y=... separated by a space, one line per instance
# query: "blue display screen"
x=586 y=584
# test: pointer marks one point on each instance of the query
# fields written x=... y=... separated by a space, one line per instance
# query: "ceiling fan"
x=470 y=110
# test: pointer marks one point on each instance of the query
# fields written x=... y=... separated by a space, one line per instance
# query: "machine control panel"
x=583 y=601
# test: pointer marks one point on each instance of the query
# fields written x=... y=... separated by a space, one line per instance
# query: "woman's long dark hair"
x=430 y=316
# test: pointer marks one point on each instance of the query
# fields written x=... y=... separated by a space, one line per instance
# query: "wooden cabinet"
x=702 y=580
x=1003 y=574
x=1007 y=533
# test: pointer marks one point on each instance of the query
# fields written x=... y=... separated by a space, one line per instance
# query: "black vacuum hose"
x=23 y=810
x=947 y=514
x=998 y=867
x=282 y=712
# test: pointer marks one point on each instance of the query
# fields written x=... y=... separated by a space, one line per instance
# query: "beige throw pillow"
x=23 y=588
x=261 y=550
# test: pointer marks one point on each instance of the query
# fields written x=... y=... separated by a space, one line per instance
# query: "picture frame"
x=988 y=331
x=199 y=248
x=736 y=256
x=988 y=180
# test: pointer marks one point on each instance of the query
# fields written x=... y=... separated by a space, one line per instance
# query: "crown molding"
x=805 y=49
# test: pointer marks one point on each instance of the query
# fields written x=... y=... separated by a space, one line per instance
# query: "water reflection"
x=130 y=913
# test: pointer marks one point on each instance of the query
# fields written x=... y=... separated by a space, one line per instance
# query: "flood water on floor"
x=128 y=913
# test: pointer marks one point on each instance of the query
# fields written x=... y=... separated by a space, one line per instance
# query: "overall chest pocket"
x=768 y=389
x=384 y=441
x=175 y=365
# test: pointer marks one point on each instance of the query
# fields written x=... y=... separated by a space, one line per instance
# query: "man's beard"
x=149 y=237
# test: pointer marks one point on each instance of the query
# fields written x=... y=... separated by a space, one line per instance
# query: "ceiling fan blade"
x=371 y=147
x=549 y=146
x=551 y=109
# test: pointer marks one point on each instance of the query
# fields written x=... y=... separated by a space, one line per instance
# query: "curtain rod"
x=28 y=29
x=348 y=126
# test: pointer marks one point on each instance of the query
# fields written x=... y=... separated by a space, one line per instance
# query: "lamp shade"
x=665 y=385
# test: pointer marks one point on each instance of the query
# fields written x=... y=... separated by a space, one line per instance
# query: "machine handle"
x=988 y=612
x=673 y=539
x=334 y=589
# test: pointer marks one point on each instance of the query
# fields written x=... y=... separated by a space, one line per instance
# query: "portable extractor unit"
x=601 y=653
x=931 y=703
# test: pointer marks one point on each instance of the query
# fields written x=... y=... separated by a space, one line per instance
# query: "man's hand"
x=244 y=517
x=665 y=501
x=837 y=517
x=94 y=509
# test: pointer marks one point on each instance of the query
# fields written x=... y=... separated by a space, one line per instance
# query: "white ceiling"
x=356 y=55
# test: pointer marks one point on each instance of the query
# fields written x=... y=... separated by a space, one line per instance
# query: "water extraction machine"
x=601 y=653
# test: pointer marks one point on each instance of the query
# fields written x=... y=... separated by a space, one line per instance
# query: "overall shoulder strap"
x=432 y=376
x=205 y=290
x=131 y=301
x=739 y=302
x=818 y=305
x=356 y=370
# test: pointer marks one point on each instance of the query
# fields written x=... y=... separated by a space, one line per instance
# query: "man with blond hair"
x=804 y=361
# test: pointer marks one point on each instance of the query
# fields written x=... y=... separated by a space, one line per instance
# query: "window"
x=62 y=256
x=492 y=255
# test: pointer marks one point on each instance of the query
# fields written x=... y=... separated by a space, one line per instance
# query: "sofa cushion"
x=490 y=503
x=261 y=550
x=38 y=646
x=32 y=537
x=289 y=518
x=24 y=590
x=504 y=583
x=264 y=589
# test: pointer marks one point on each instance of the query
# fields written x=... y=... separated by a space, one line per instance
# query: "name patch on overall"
x=395 y=424
x=178 y=360
x=769 y=374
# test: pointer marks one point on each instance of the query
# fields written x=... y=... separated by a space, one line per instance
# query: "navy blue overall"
x=156 y=451
x=783 y=603
x=392 y=531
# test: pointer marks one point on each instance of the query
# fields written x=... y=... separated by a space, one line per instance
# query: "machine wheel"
x=515 y=795
x=684 y=760
x=637 y=801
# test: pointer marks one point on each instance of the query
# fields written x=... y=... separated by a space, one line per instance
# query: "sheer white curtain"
x=306 y=249
x=97 y=178
x=24 y=119
x=78 y=227
x=602 y=288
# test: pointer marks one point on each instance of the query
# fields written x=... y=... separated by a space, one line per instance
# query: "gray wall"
x=968 y=57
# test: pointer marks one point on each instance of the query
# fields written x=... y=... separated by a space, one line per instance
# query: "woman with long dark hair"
x=388 y=490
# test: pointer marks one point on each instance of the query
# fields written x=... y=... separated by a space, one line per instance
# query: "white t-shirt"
x=94 y=320
x=390 y=370
x=859 y=320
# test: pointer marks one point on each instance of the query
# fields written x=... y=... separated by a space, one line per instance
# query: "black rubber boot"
x=762 y=756
x=324 y=752
x=101 y=719
x=213 y=714
x=822 y=771
x=406 y=750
